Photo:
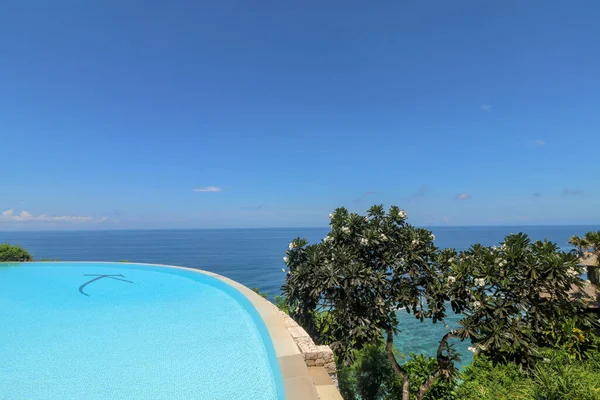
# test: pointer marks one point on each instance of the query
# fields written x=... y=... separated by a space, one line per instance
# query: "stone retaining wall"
x=314 y=356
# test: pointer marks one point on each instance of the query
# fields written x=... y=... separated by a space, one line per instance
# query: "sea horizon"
x=91 y=229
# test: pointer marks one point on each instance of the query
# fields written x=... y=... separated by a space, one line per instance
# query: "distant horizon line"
x=290 y=227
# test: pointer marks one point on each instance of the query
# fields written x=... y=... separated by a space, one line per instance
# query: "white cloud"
x=485 y=107
x=538 y=143
x=24 y=216
x=208 y=189
x=462 y=196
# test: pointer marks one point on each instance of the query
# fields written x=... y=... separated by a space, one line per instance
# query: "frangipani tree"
x=346 y=291
x=362 y=272
x=518 y=297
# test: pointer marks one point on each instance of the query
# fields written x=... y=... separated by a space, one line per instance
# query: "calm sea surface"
x=253 y=257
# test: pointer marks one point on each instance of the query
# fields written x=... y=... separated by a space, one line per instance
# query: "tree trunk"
x=426 y=386
x=444 y=341
x=389 y=347
x=443 y=364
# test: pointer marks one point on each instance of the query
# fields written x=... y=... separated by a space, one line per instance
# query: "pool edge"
x=297 y=381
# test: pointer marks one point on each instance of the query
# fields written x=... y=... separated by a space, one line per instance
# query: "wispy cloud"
x=24 y=216
x=538 y=143
x=462 y=196
x=572 y=192
x=422 y=191
x=208 y=189
x=252 y=208
x=485 y=107
x=537 y=194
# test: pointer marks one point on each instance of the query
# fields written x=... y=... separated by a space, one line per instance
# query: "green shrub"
x=484 y=381
x=10 y=253
x=419 y=368
x=371 y=377
x=279 y=301
x=282 y=303
x=562 y=377
x=261 y=294
x=558 y=376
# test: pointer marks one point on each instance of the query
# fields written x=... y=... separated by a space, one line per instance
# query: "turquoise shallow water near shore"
x=253 y=257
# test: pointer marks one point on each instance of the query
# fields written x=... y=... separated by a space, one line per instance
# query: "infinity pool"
x=99 y=331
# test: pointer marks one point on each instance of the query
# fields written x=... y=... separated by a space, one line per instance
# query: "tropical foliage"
x=364 y=270
x=10 y=253
x=589 y=243
x=557 y=376
x=514 y=299
x=371 y=377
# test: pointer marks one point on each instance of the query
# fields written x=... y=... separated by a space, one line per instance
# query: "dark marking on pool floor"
x=98 y=277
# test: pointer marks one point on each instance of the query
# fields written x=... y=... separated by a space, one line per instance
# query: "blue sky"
x=118 y=114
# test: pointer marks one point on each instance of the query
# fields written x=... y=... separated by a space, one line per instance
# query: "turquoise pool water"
x=129 y=331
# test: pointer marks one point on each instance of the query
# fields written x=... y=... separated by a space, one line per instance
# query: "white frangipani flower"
x=502 y=263
x=285 y=260
x=364 y=241
x=366 y=219
x=472 y=349
x=383 y=237
x=432 y=236
x=327 y=238
x=330 y=216
x=414 y=242
x=573 y=272
x=480 y=282
x=292 y=245
x=451 y=279
x=475 y=304
x=451 y=259
x=402 y=214
x=345 y=229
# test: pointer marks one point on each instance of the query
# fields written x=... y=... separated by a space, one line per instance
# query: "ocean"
x=253 y=257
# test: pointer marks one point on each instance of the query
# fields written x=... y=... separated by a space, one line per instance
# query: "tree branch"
x=444 y=342
x=427 y=385
x=443 y=365
x=389 y=348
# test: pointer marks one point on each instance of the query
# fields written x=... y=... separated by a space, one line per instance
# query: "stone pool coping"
x=293 y=347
